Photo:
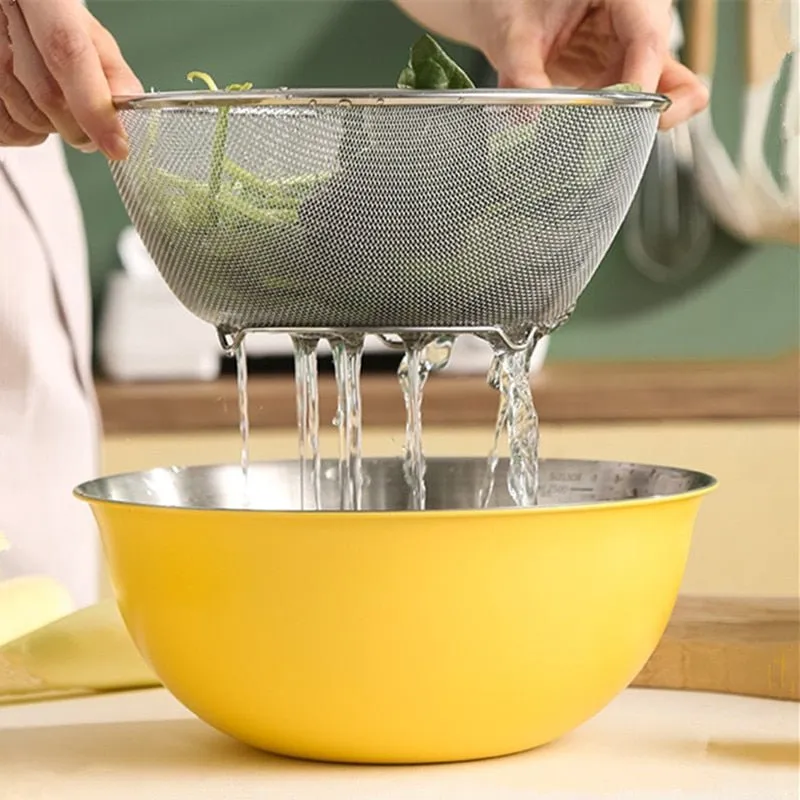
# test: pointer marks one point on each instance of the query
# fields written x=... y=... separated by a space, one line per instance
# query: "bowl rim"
x=382 y=98
x=91 y=491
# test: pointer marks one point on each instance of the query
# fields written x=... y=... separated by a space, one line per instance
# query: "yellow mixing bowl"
x=396 y=636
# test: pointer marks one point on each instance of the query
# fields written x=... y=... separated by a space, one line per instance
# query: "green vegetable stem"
x=221 y=130
x=232 y=192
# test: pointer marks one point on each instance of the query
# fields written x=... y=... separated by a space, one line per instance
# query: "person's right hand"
x=59 y=68
x=587 y=44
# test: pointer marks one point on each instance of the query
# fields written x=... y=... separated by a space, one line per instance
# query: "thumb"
x=524 y=78
x=520 y=64
x=643 y=31
x=644 y=63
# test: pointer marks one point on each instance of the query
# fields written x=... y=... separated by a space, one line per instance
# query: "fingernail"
x=115 y=147
x=88 y=148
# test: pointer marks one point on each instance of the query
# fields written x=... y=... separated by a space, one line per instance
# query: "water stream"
x=412 y=374
x=347 y=355
x=306 y=373
x=493 y=378
x=509 y=374
x=244 y=415
x=421 y=358
x=522 y=428
x=517 y=420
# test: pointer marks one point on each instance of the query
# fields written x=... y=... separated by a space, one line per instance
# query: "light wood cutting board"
x=737 y=646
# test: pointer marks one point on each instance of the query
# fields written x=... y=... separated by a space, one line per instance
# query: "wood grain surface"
x=744 y=646
x=566 y=392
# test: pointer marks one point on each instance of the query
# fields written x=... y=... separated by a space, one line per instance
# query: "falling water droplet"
x=244 y=415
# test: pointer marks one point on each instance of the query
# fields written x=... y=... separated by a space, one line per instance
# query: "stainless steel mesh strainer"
x=382 y=211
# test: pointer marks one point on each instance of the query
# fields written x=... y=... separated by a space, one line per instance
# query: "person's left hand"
x=59 y=68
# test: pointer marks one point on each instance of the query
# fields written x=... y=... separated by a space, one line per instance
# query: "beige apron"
x=49 y=432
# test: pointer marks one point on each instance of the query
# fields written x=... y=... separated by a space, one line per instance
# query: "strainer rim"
x=390 y=97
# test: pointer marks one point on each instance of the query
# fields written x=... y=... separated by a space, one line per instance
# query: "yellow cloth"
x=48 y=649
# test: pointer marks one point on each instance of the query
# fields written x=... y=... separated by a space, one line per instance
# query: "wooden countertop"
x=564 y=392
x=738 y=645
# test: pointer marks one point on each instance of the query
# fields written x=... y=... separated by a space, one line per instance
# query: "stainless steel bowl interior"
x=452 y=484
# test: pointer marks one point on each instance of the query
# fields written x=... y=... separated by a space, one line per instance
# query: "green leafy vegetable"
x=429 y=67
x=447 y=227
x=427 y=164
x=231 y=207
x=633 y=88
x=537 y=150
x=467 y=198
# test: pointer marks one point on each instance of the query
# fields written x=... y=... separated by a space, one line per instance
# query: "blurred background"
x=683 y=350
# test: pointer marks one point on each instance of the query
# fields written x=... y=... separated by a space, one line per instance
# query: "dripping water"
x=438 y=353
x=412 y=374
x=493 y=378
x=306 y=373
x=522 y=429
x=347 y=353
x=240 y=354
x=420 y=359
x=509 y=374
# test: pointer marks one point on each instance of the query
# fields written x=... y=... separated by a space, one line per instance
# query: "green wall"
x=743 y=302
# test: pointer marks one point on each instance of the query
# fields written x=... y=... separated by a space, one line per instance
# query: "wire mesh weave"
x=381 y=215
